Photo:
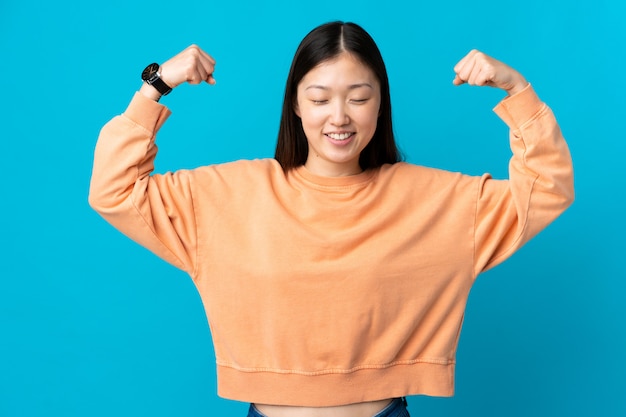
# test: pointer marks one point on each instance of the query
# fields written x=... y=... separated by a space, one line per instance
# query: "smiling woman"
x=338 y=102
x=326 y=60
x=334 y=277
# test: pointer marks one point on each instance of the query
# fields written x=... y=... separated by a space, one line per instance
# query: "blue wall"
x=93 y=325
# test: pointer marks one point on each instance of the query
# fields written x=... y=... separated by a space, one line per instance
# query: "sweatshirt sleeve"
x=540 y=185
x=156 y=211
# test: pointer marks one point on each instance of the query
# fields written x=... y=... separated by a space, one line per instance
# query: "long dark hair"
x=322 y=44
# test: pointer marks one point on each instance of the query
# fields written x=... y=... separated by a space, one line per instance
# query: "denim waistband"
x=397 y=408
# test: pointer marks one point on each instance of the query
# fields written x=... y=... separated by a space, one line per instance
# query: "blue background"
x=93 y=325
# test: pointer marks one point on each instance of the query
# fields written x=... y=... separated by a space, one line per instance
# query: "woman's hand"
x=477 y=68
x=192 y=65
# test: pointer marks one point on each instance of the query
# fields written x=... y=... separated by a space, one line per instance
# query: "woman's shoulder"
x=405 y=174
x=244 y=171
x=410 y=170
x=244 y=166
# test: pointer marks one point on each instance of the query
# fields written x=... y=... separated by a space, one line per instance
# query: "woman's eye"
x=319 y=101
x=359 y=100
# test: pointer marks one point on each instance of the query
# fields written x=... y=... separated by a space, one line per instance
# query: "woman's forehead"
x=344 y=70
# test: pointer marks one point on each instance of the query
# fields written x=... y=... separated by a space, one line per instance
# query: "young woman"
x=334 y=276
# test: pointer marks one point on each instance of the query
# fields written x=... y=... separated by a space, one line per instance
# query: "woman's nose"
x=339 y=115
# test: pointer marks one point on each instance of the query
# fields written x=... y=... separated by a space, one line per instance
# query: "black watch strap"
x=160 y=85
x=152 y=76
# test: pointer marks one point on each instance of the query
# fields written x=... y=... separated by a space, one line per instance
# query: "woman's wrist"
x=150 y=92
x=518 y=86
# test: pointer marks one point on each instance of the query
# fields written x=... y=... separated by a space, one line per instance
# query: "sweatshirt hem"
x=336 y=387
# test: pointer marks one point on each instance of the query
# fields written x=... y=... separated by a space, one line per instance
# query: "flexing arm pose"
x=334 y=276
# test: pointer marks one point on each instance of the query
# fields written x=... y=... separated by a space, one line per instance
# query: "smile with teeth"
x=340 y=136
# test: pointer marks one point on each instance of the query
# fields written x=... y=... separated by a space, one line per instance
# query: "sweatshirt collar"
x=333 y=182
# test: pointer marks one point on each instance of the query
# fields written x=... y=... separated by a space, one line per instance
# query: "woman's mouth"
x=340 y=136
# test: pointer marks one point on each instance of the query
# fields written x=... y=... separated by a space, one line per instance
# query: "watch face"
x=149 y=72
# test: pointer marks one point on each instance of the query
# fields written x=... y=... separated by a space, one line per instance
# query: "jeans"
x=397 y=408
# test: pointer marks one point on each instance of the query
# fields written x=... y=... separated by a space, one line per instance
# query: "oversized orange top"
x=328 y=291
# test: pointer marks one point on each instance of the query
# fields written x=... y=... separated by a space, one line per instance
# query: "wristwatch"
x=152 y=76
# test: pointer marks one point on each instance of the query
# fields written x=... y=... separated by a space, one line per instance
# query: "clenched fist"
x=192 y=65
x=477 y=68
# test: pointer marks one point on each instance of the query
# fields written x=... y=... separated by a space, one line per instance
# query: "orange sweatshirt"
x=328 y=291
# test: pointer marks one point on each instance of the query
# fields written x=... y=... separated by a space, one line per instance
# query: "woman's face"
x=339 y=104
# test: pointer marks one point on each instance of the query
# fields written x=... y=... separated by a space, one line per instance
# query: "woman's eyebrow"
x=350 y=87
